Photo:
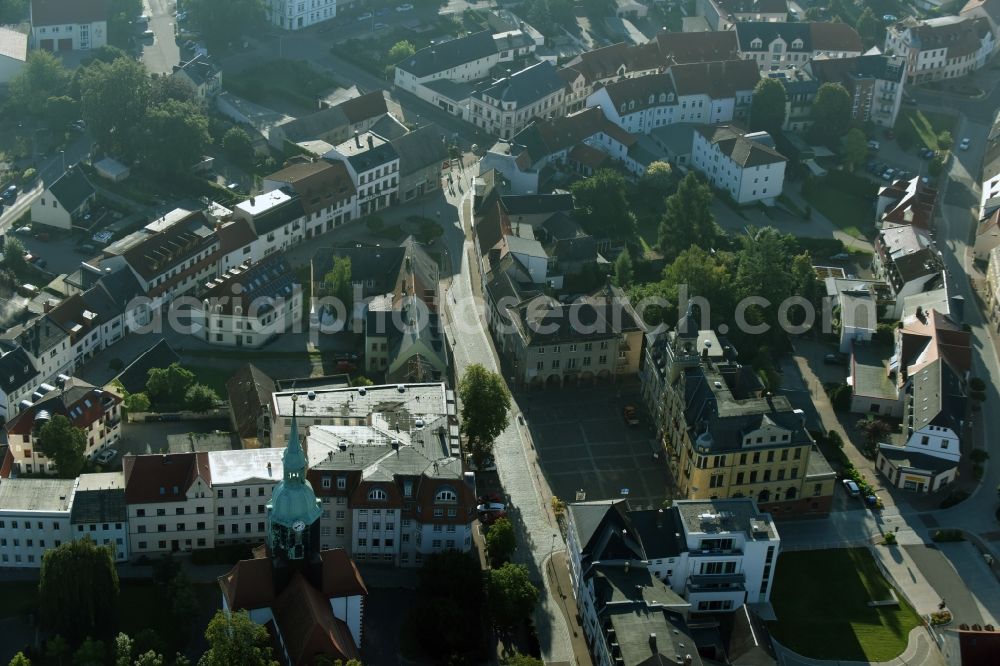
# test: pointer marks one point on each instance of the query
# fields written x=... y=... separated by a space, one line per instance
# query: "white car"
x=405 y=8
x=367 y=16
x=964 y=145
x=491 y=507
x=106 y=456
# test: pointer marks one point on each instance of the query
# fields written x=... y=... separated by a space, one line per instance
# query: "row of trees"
x=170 y=389
x=831 y=110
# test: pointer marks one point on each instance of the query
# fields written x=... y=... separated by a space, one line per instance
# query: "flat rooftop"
x=50 y=495
x=726 y=515
x=101 y=481
x=430 y=399
x=246 y=465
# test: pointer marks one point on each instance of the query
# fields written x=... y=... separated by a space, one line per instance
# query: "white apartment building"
x=374 y=168
x=745 y=165
x=325 y=189
x=34 y=517
x=278 y=220
x=776 y=46
x=242 y=481
x=96 y=412
x=433 y=72
x=723 y=554
x=170 y=503
x=98 y=512
x=68 y=26
x=940 y=48
x=296 y=14
x=506 y=107
x=249 y=305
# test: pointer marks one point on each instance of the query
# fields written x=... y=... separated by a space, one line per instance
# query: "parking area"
x=583 y=443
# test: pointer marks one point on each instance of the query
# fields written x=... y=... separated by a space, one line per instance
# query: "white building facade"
x=742 y=164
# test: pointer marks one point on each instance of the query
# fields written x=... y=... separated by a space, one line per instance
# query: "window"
x=446 y=494
x=362 y=542
x=327 y=482
x=341 y=482
x=377 y=494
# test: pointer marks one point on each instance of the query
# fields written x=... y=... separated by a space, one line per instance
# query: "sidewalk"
x=905 y=573
x=920 y=651
x=559 y=584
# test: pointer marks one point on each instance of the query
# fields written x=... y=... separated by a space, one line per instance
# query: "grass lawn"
x=820 y=599
x=927 y=124
x=649 y=230
x=854 y=216
x=214 y=378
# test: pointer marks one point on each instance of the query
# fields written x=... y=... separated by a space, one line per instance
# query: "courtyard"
x=583 y=443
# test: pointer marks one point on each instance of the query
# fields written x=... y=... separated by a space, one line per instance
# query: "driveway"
x=939 y=572
x=161 y=53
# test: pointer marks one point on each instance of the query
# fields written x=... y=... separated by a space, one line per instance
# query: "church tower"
x=293 y=513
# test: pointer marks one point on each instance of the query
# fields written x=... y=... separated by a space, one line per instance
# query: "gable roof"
x=365 y=107
x=72 y=189
x=318 y=183
x=543 y=137
x=235 y=234
x=16 y=370
x=151 y=479
x=308 y=627
x=60 y=12
x=527 y=86
x=741 y=147
x=961 y=35
x=688 y=47
x=534 y=204
x=754 y=6
x=718 y=79
x=249 y=391
x=420 y=148
x=447 y=55
x=157 y=252
x=134 y=377
x=613 y=60
x=78 y=401
x=815 y=36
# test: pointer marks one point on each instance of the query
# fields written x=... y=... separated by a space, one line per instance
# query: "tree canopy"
x=13 y=255
x=500 y=541
x=485 y=406
x=168 y=386
x=65 y=444
x=223 y=22
x=115 y=97
x=200 y=398
x=239 y=147
x=175 y=135
x=602 y=205
x=688 y=219
x=869 y=27
x=623 y=269
x=855 y=148
x=43 y=76
x=337 y=283
x=831 y=113
x=767 y=107
x=234 y=638
x=401 y=50
x=78 y=589
x=512 y=597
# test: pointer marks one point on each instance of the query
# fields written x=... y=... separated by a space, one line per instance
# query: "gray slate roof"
x=72 y=189
x=420 y=148
x=527 y=86
x=16 y=369
x=450 y=54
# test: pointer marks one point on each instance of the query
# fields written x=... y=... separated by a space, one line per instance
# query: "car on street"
x=889 y=18
x=106 y=456
x=9 y=194
x=147 y=34
x=964 y=145
x=888 y=174
x=404 y=8
x=181 y=17
x=379 y=26
x=873 y=145
x=926 y=153
x=835 y=359
x=491 y=507
x=367 y=16
x=25 y=230
x=851 y=487
x=489 y=465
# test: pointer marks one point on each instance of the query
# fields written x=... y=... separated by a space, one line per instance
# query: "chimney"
x=357 y=139
x=371 y=141
x=652 y=641
x=628 y=565
x=252 y=199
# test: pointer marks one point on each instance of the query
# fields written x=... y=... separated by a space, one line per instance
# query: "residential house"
x=588 y=71
x=243 y=482
x=715 y=554
x=249 y=391
x=249 y=305
x=112 y=294
x=725 y=437
x=34 y=517
x=64 y=203
x=776 y=46
x=299 y=15
x=237 y=242
x=201 y=74
x=13 y=53
x=931 y=365
x=94 y=411
x=374 y=167
x=992 y=290
x=940 y=48
x=99 y=513
x=325 y=190
x=337 y=123
x=422 y=153
x=598 y=337
x=875 y=83
x=987 y=9
x=513 y=44
x=18 y=379
x=48 y=346
x=170 y=503
x=907 y=259
x=906 y=202
x=507 y=106
x=135 y=375
x=800 y=93
x=743 y=164
x=68 y=26
x=989 y=179
x=440 y=73
x=725 y=14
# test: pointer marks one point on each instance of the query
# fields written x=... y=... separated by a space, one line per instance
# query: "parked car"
x=404 y=7
x=491 y=507
x=851 y=487
x=367 y=16
x=964 y=145
x=106 y=456
x=489 y=465
x=926 y=153
x=889 y=18
x=9 y=194
x=835 y=359
x=147 y=34
x=86 y=248
x=25 y=230
x=873 y=145
x=629 y=414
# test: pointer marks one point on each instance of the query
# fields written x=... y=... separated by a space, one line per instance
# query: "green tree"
x=43 y=76
x=485 y=406
x=78 y=589
x=13 y=256
x=13 y=12
x=20 y=660
x=855 y=148
x=137 y=402
x=518 y=659
x=165 y=570
x=869 y=27
x=337 y=283
x=166 y=88
x=239 y=147
x=200 y=398
x=623 y=269
x=60 y=111
x=176 y=136
x=123 y=650
x=875 y=432
x=500 y=541
x=652 y=189
x=90 y=653
x=702 y=275
x=764 y=268
x=767 y=107
x=688 y=219
x=150 y=658
x=361 y=380
x=945 y=140
x=804 y=280
x=540 y=16
x=115 y=97
x=223 y=22
x=120 y=16
x=57 y=649
x=169 y=386
x=831 y=113
x=233 y=638
x=65 y=444
x=511 y=595
x=400 y=51
x=936 y=166
x=561 y=12
x=183 y=601
x=602 y=205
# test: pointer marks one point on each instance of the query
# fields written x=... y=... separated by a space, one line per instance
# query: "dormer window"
x=663 y=97
x=377 y=495
x=631 y=105
x=408 y=488
x=446 y=494
x=797 y=44
x=756 y=43
x=652 y=98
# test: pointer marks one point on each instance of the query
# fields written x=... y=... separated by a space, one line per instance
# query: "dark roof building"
x=448 y=55
x=249 y=392
x=72 y=190
x=423 y=147
x=134 y=377
x=59 y=12
x=743 y=148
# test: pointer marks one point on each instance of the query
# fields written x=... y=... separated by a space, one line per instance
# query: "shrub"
x=941 y=617
x=890 y=539
x=834 y=438
x=29 y=175
x=840 y=397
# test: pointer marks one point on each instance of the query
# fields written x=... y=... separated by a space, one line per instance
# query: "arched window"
x=790 y=493
x=446 y=494
x=663 y=97
x=377 y=494
x=764 y=495
x=797 y=44
x=756 y=43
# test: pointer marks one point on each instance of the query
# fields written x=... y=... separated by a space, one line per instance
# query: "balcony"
x=719 y=582
x=716 y=552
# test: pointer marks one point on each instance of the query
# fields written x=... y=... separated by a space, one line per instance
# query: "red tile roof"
x=6 y=462
x=63 y=12
x=308 y=626
x=249 y=585
x=71 y=402
x=150 y=479
x=341 y=577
